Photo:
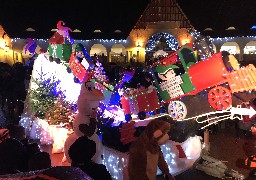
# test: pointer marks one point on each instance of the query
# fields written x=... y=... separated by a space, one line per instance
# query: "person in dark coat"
x=81 y=153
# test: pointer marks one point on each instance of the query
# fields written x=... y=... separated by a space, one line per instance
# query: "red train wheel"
x=220 y=98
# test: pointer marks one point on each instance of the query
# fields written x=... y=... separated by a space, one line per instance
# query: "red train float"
x=180 y=74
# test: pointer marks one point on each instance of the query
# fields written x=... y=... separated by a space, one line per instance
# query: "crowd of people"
x=18 y=154
x=13 y=90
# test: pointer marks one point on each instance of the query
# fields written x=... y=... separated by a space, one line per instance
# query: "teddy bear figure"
x=85 y=122
x=145 y=154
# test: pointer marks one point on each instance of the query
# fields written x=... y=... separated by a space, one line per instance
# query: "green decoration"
x=61 y=51
x=48 y=102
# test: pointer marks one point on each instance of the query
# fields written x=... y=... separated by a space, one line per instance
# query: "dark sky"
x=81 y=14
x=109 y=15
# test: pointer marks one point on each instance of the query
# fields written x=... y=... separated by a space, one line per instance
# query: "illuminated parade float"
x=68 y=91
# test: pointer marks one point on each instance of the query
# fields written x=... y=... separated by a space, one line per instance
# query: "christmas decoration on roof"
x=60 y=44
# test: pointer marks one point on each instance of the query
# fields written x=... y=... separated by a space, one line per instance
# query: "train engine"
x=180 y=75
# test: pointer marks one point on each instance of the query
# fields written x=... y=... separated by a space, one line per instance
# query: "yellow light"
x=2 y=44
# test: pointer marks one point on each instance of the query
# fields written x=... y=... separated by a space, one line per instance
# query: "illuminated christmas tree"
x=48 y=102
x=100 y=76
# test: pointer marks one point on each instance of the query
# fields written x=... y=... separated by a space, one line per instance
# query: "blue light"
x=253 y=27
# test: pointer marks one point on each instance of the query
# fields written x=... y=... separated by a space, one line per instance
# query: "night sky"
x=109 y=15
x=86 y=15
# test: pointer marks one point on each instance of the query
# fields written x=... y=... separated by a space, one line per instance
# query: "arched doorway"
x=250 y=53
x=231 y=47
x=250 y=48
x=163 y=42
x=98 y=49
x=118 y=53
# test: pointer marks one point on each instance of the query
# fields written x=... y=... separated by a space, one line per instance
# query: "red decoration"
x=61 y=26
x=172 y=58
x=253 y=129
x=208 y=73
x=146 y=101
x=125 y=105
x=220 y=98
x=78 y=69
x=127 y=133
x=57 y=39
x=4 y=134
x=181 y=151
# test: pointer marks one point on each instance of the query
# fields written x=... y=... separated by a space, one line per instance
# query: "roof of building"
x=115 y=19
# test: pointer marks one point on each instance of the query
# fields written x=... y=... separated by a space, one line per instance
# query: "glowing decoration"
x=243 y=79
x=253 y=27
x=212 y=117
x=60 y=44
x=155 y=39
x=196 y=76
x=160 y=53
x=85 y=121
x=209 y=72
x=177 y=110
x=244 y=111
x=59 y=135
x=116 y=161
x=31 y=46
x=171 y=83
x=249 y=114
x=116 y=113
x=220 y=98
x=31 y=51
x=144 y=101
x=99 y=72
x=115 y=97
x=79 y=70
x=44 y=69
x=49 y=134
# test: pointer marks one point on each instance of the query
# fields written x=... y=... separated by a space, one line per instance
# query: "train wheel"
x=220 y=98
x=177 y=110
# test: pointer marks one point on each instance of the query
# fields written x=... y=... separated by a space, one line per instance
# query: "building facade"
x=163 y=27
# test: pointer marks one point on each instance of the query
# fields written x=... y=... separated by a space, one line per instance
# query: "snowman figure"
x=85 y=122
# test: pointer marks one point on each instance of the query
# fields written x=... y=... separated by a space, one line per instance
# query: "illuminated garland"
x=170 y=40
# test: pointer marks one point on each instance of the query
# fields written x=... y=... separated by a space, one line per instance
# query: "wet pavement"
x=229 y=146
